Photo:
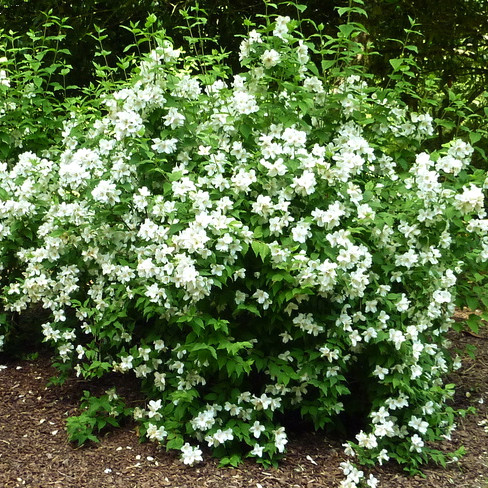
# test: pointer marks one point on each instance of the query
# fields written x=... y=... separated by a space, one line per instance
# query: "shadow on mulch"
x=34 y=451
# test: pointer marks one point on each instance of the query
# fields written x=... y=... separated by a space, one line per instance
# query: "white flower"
x=442 y=296
x=187 y=87
x=348 y=450
x=305 y=184
x=416 y=371
x=301 y=232
x=281 y=27
x=307 y=323
x=280 y=439
x=125 y=363
x=428 y=408
x=174 y=118
x=367 y=441
x=384 y=429
x=219 y=437
x=380 y=415
x=380 y=372
x=156 y=433
x=417 y=443
x=276 y=168
x=270 y=58
x=331 y=355
x=365 y=212
x=127 y=123
x=204 y=420
x=167 y=146
x=313 y=84
x=294 y=138
x=471 y=200
x=383 y=456
x=418 y=424
x=407 y=259
x=355 y=338
x=372 y=482
x=262 y=298
x=370 y=333
x=106 y=192
x=353 y=474
x=4 y=79
x=243 y=180
x=261 y=403
x=257 y=451
x=244 y=103
x=263 y=205
x=159 y=345
x=403 y=304
x=240 y=297
x=303 y=58
x=256 y=429
x=329 y=218
x=182 y=187
x=397 y=337
x=160 y=380
x=397 y=403
x=154 y=406
x=191 y=455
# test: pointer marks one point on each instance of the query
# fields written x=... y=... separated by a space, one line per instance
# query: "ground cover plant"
x=249 y=246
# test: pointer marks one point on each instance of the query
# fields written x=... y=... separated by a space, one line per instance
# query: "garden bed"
x=34 y=451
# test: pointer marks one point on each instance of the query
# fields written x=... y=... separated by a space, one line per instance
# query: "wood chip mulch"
x=35 y=453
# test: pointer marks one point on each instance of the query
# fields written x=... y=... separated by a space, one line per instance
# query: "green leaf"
x=327 y=64
x=474 y=323
x=413 y=48
x=347 y=29
x=202 y=347
x=246 y=130
x=233 y=460
x=249 y=308
x=260 y=249
x=396 y=63
x=175 y=443
x=150 y=21
x=234 y=347
x=474 y=137
x=472 y=302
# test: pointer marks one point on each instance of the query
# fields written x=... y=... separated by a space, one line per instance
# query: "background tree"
x=449 y=48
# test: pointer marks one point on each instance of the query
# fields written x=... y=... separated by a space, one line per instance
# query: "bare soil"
x=35 y=453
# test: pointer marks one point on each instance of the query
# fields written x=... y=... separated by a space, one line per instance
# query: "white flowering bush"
x=277 y=242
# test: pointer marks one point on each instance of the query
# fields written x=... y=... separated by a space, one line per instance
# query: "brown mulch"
x=34 y=451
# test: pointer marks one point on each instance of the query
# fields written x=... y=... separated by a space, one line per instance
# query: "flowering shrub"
x=249 y=248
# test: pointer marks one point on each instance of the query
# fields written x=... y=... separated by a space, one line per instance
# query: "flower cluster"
x=252 y=247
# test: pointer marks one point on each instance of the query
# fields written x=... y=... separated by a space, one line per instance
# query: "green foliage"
x=98 y=414
x=33 y=71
